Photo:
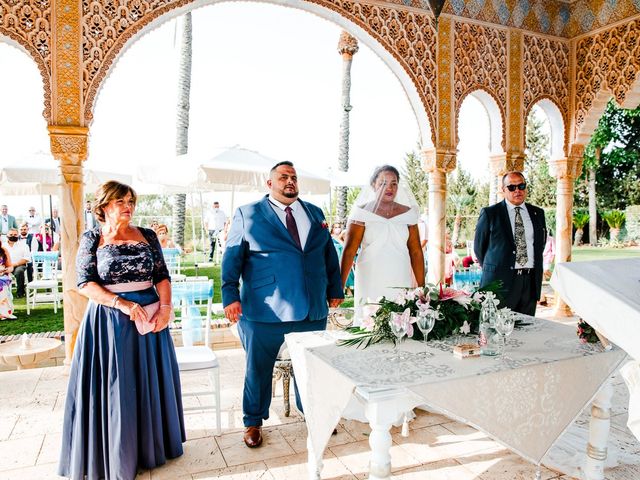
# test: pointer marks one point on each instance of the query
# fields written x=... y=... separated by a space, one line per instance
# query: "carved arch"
x=557 y=122
x=496 y=115
x=607 y=66
x=404 y=40
x=44 y=67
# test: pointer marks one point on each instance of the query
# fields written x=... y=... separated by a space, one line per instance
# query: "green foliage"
x=331 y=211
x=614 y=150
x=452 y=314
x=586 y=333
x=541 y=185
x=580 y=219
x=416 y=178
x=614 y=218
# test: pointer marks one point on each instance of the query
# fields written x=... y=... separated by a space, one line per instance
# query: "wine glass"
x=399 y=329
x=425 y=323
x=504 y=325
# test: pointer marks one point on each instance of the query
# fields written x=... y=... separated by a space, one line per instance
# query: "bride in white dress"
x=383 y=221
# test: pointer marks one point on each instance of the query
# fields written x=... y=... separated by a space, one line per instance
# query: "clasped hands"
x=234 y=310
x=135 y=311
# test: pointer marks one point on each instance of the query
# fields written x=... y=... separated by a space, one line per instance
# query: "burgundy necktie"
x=292 y=227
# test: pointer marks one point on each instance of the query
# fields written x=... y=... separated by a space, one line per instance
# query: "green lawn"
x=42 y=319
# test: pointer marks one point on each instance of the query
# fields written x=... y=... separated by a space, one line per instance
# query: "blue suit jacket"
x=495 y=246
x=280 y=282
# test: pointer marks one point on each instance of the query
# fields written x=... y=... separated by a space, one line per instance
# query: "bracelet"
x=166 y=305
x=114 y=302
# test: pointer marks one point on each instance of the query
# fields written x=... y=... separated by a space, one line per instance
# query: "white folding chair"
x=44 y=288
x=173 y=260
x=192 y=298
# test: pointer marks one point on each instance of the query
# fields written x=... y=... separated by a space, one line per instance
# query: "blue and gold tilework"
x=552 y=17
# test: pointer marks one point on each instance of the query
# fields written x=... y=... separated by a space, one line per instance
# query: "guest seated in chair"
x=20 y=258
x=45 y=241
x=6 y=303
x=162 y=231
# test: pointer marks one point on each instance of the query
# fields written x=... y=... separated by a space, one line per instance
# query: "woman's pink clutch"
x=150 y=324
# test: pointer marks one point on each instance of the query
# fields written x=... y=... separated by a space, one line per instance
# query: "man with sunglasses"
x=509 y=241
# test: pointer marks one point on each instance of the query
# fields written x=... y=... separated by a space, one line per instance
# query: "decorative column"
x=441 y=159
x=69 y=147
x=438 y=163
x=513 y=160
x=566 y=170
x=68 y=135
x=347 y=48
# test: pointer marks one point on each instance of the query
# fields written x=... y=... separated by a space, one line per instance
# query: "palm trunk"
x=593 y=209
x=182 y=123
x=577 y=239
x=347 y=46
x=457 y=222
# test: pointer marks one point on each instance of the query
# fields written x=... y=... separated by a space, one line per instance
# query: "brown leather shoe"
x=253 y=437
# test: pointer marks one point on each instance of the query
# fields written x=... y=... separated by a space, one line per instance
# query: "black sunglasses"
x=520 y=186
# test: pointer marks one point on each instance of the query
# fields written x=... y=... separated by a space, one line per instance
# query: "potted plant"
x=580 y=219
x=615 y=220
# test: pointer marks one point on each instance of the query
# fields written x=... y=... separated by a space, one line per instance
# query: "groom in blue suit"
x=280 y=272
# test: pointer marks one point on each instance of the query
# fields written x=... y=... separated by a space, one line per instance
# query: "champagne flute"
x=504 y=325
x=399 y=329
x=425 y=324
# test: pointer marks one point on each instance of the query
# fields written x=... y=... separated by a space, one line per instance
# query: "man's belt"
x=524 y=271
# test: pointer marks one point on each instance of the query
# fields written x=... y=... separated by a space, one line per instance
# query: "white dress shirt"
x=5 y=224
x=216 y=220
x=19 y=251
x=34 y=223
x=299 y=214
x=528 y=230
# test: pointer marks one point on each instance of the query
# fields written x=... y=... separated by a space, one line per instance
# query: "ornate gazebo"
x=567 y=56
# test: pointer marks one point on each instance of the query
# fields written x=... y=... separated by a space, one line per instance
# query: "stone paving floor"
x=31 y=406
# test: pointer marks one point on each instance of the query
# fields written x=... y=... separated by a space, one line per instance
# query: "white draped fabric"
x=525 y=403
x=606 y=294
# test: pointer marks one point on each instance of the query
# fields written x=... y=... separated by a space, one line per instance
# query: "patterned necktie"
x=521 y=242
x=292 y=226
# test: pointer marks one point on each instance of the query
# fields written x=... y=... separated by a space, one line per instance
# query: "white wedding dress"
x=383 y=265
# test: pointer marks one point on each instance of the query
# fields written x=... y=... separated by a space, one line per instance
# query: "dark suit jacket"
x=495 y=246
x=54 y=227
x=280 y=282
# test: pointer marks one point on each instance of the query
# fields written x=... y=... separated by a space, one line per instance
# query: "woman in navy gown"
x=123 y=409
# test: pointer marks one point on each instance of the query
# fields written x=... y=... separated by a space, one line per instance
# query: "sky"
x=265 y=77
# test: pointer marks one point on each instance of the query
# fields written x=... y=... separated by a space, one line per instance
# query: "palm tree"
x=580 y=219
x=347 y=47
x=182 y=123
x=460 y=201
x=615 y=219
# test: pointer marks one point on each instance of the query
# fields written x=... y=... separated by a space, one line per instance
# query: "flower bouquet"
x=456 y=311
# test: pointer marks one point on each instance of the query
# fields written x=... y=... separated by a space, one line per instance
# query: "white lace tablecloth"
x=606 y=294
x=525 y=403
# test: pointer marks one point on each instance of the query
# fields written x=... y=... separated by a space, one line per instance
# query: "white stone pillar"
x=437 y=162
x=566 y=170
x=69 y=147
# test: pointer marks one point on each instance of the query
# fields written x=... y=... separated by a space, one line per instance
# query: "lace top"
x=111 y=264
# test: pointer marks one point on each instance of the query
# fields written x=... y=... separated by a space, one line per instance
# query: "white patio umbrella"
x=39 y=174
x=232 y=169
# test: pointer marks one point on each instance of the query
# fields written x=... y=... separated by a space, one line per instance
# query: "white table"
x=525 y=403
x=606 y=295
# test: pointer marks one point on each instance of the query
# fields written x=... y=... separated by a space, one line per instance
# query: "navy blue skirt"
x=123 y=409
